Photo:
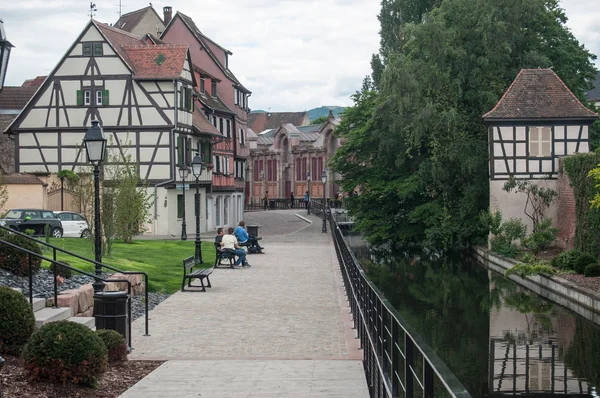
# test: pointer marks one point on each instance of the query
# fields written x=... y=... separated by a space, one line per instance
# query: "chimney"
x=330 y=116
x=168 y=14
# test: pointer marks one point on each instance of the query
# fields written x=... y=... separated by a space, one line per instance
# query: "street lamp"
x=95 y=144
x=197 y=168
x=324 y=180
x=183 y=173
x=5 y=47
x=308 y=188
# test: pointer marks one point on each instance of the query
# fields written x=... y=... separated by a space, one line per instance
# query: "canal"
x=498 y=338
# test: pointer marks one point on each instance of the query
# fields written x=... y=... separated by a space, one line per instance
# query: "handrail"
x=379 y=327
x=96 y=277
x=55 y=248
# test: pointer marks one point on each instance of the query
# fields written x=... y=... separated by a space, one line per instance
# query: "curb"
x=303 y=218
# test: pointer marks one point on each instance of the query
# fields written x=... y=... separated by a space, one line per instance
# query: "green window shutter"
x=191 y=94
x=105 y=97
x=79 y=97
x=189 y=150
x=179 y=151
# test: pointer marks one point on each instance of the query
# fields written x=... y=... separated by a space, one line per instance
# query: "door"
x=288 y=189
x=68 y=225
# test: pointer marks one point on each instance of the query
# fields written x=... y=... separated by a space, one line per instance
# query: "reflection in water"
x=498 y=338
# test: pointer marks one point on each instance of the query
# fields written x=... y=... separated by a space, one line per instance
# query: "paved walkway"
x=278 y=329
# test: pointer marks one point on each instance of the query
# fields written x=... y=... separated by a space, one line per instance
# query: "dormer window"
x=540 y=141
x=214 y=89
x=95 y=47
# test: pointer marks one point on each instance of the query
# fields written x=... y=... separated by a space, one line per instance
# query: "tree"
x=320 y=120
x=421 y=157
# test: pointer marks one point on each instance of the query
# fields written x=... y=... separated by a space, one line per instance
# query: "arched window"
x=256 y=170
x=274 y=166
x=299 y=169
x=303 y=169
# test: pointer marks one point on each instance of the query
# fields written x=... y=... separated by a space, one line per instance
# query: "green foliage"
x=64 y=352
x=61 y=269
x=592 y=270
x=583 y=262
x=542 y=237
x=501 y=246
x=583 y=355
x=29 y=232
x=320 y=120
x=68 y=174
x=524 y=270
x=566 y=260
x=17 y=261
x=16 y=320
x=538 y=199
x=115 y=344
x=529 y=258
x=587 y=229
x=505 y=233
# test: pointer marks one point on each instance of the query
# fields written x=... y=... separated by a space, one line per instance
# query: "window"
x=221 y=125
x=236 y=96
x=214 y=121
x=77 y=217
x=186 y=99
x=540 y=141
x=65 y=216
x=98 y=97
x=202 y=87
x=180 y=206
x=241 y=138
x=87 y=49
x=97 y=49
x=214 y=88
x=228 y=128
x=87 y=97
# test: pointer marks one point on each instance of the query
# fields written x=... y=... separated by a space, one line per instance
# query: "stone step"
x=50 y=314
x=38 y=304
x=90 y=322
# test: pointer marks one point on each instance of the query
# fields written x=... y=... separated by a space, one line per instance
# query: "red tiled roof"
x=202 y=124
x=119 y=38
x=539 y=94
x=262 y=121
x=34 y=82
x=161 y=61
x=18 y=178
x=16 y=97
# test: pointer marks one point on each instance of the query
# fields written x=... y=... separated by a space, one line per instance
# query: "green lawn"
x=161 y=259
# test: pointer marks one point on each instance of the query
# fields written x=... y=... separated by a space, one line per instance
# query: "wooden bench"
x=189 y=274
x=223 y=255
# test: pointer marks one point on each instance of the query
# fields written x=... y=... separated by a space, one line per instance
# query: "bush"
x=502 y=246
x=583 y=262
x=524 y=270
x=16 y=320
x=592 y=270
x=566 y=260
x=542 y=237
x=61 y=269
x=64 y=352
x=16 y=261
x=115 y=344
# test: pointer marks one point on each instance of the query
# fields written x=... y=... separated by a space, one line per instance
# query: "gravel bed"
x=43 y=286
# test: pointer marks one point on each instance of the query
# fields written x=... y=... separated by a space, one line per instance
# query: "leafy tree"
x=419 y=154
x=319 y=120
x=538 y=199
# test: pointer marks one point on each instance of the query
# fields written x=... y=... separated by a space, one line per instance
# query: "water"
x=498 y=338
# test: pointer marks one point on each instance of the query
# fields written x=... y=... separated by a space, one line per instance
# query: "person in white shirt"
x=230 y=244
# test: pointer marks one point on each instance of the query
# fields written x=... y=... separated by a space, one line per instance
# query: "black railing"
x=397 y=361
x=54 y=267
x=102 y=265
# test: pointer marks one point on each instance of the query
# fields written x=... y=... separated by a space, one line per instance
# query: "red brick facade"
x=566 y=210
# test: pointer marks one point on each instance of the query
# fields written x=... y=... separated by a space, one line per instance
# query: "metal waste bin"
x=110 y=311
x=272 y=204
x=253 y=230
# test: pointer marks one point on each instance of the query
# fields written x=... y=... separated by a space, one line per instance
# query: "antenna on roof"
x=120 y=9
x=92 y=10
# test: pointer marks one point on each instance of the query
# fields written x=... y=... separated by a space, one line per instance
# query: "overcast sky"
x=292 y=54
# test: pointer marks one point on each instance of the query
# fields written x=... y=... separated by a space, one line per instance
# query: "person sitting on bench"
x=246 y=240
x=230 y=244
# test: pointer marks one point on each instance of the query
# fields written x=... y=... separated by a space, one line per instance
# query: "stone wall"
x=566 y=210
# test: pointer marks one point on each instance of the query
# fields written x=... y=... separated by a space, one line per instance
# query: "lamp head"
x=184 y=171
x=324 y=176
x=95 y=143
x=308 y=176
x=197 y=165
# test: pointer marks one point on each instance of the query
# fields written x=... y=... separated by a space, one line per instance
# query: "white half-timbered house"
x=537 y=121
x=143 y=97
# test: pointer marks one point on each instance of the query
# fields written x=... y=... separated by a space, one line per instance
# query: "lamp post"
x=183 y=173
x=324 y=180
x=95 y=144
x=262 y=180
x=197 y=167
x=5 y=47
x=308 y=188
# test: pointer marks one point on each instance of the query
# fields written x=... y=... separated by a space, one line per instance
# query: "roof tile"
x=16 y=97
x=161 y=61
x=262 y=121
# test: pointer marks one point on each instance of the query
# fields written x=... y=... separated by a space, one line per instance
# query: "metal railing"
x=102 y=265
x=397 y=361
x=30 y=255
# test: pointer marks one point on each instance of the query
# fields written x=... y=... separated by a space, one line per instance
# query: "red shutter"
x=320 y=166
x=256 y=172
x=313 y=172
x=303 y=169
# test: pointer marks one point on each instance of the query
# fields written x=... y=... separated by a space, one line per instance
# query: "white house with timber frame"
x=143 y=97
x=537 y=121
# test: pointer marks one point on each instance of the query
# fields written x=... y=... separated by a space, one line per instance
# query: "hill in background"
x=317 y=112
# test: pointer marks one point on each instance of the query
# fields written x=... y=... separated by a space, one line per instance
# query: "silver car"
x=74 y=224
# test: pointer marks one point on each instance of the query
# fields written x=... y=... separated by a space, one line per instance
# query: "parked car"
x=33 y=219
x=74 y=224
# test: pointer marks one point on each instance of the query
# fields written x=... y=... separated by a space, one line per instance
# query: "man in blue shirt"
x=244 y=239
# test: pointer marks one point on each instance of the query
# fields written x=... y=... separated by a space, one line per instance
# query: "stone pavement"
x=280 y=328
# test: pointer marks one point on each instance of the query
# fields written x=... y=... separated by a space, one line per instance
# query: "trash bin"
x=272 y=203
x=253 y=230
x=110 y=311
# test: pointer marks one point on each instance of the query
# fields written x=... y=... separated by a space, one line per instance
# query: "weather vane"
x=92 y=10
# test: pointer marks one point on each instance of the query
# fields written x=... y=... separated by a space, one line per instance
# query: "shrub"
x=514 y=229
x=502 y=246
x=566 y=260
x=583 y=262
x=529 y=258
x=524 y=270
x=542 y=237
x=64 y=352
x=16 y=320
x=115 y=344
x=61 y=269
x=16 y=261
x=592 y=270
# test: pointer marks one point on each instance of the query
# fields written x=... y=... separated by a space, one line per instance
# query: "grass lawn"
x=160 y=259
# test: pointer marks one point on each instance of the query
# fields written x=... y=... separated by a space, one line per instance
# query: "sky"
x=292 y=54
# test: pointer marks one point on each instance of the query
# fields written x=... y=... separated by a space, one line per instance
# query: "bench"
x=220 y=255
x=189 y=274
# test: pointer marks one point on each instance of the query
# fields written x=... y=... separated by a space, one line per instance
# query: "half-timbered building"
x=537 y=121
x=143 y=97
x=282 y=158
